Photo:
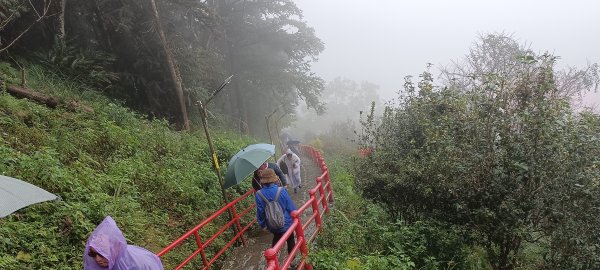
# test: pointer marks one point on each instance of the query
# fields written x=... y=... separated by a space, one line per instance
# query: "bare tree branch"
x=44 y=15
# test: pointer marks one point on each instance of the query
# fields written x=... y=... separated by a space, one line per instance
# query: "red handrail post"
x=322 y=195
x=201 y=247
x=329 y=188
x=315 y=207
x=237 y=223
x=300 y=237
x=271 y=256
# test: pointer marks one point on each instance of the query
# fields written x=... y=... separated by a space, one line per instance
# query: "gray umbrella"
x=16 y=194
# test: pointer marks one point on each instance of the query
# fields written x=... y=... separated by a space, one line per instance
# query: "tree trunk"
x=58 y=22
x=177 y=84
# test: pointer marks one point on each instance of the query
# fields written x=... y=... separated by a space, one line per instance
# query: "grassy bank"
x=155 y=182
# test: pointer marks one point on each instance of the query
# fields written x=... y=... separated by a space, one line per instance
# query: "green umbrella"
x=247 y=161
x=16 y=194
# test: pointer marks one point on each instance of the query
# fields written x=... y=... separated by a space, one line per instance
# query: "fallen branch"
x=49 y=101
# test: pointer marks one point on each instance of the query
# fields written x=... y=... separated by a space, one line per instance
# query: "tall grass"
x=155 y=182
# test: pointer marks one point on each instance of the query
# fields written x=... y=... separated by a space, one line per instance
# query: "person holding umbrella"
x=246 y=162
x=256 y=184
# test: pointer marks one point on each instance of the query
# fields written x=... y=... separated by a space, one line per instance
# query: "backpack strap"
x=277 y=194
x=262 y=196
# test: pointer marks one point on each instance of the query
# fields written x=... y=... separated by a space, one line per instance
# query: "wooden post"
x=213 y=152
x=23 y=80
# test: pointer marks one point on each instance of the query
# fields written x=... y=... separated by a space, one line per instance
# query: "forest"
x=487 y=163
x=162 y=57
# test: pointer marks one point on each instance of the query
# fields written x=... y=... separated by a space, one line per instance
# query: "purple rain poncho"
x=109 y=242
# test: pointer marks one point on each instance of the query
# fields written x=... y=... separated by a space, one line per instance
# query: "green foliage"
x=114 y=45
x=11 y=10
x=156 y=183
x=7 y=73
x=270 y=49
x=360 y=235
x=501 y=157
x=84 y=66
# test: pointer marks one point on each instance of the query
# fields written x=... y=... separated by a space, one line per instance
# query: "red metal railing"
x=319 y=205
x=201 y=246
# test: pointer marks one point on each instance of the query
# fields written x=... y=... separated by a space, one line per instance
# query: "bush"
x=361 y=235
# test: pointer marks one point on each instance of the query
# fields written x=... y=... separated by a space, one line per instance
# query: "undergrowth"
x=360 y=235
x=155 y=182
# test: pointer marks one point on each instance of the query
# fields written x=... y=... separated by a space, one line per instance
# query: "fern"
x=10 y=10
x=89 y=67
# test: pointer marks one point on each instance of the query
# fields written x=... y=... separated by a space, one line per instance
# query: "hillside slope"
x=155 y=182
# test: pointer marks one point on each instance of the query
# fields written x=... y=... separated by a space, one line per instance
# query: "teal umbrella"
x=16 y=194
x=247 y=161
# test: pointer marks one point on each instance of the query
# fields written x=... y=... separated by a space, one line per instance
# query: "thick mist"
x=381 y=42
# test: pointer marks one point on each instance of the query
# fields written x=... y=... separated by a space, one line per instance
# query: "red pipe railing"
x=201 y=247
x=318 y=204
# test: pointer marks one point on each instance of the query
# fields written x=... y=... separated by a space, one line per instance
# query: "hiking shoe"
x=295 y=190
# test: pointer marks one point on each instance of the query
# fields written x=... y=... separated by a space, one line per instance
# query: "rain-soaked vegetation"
x=487 y=163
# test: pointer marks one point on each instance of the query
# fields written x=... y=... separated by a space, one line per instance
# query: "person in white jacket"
x=292 y=161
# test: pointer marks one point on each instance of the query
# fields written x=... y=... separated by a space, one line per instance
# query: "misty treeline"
x=496 y=151
x=162 y=57
x=347 y=102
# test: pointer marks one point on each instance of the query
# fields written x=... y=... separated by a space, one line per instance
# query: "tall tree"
x=270 y=49
x=173 y=70
x=265 y=44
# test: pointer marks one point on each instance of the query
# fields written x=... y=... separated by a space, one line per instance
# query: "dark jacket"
x=256 y=178
x=285 y=201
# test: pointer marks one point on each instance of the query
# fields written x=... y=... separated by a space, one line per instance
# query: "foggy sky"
x=381 y=41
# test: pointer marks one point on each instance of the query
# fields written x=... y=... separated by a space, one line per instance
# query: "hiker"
x=256 y=185
x=107 y=248
x=292 y=162
x=293 y=145
x=284 y=137
x=270 y=191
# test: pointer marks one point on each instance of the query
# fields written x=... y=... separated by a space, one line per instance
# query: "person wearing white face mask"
x=256 y=185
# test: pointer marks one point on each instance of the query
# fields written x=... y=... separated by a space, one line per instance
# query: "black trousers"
x=291 y=242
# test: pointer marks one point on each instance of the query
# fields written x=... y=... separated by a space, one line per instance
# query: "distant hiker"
x=294 y=145
x=283 y=167
x=107 y=248
x=284 y=137
x=268 y=194
x=256 y=185
x=292 y=161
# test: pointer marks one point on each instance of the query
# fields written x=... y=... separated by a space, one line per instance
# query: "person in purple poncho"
x=107 y=248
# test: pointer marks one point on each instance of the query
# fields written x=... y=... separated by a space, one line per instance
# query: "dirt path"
x=252 y=257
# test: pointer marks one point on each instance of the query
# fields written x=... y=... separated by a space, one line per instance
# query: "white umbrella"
x=16 y=194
